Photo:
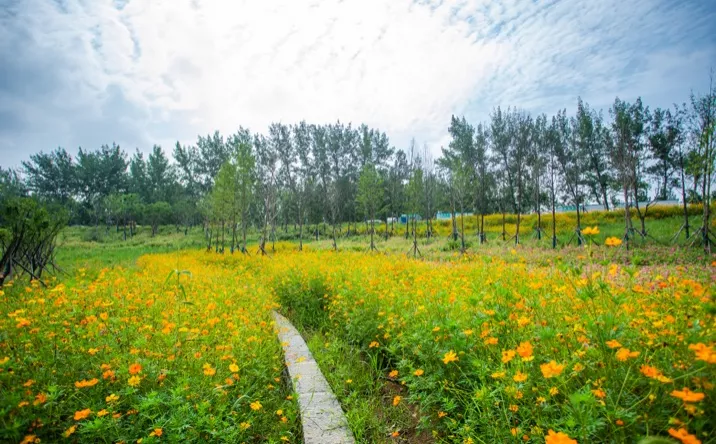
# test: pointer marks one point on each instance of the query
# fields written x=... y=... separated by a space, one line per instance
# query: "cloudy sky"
x=138 y=72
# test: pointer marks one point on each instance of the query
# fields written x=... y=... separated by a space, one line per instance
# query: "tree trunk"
x=579 y=226
x=627 y=218
x=462 y=228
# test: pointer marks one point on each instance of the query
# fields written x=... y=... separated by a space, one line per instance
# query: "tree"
x=28 y=236
x=592 y=144
x=51 y=176
x=370 y=196
x=703 y=127
x=397 y=178
x=156 y=214
x=304 y=173
x=501 y=141
x=415 y=193
x=245 y=179
x=267 y=163
x=570 y=162
x=160 y=178
x=662 y=140
x=483 y=180
x=212 y=155
x=519 y=155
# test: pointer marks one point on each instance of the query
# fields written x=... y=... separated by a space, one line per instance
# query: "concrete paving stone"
x=322 y=418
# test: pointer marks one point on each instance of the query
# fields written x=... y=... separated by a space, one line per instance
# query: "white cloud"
x=154 y=71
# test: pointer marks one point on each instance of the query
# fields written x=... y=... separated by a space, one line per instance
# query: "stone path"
x=321 y=415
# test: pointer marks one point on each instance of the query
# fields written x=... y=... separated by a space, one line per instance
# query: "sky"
x=138 y=72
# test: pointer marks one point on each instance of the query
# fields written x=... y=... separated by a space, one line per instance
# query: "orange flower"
x=135 y=368
x=558 y=438
x=687 y=395
x=613 y=344
x=449 y=357
x=684 y=436
x=208 y=370
x=396 y=400
x=86 y=383
x=108 y=374
x=624 y=354
x=40 y=398
x=653 y=373
x=393 y=374
x=82 y=414
x=551 y=369
x=599 y=393
x=373 y=344
x=419 y=372
x=525 y=351
x=704 y=352
x=157 y=432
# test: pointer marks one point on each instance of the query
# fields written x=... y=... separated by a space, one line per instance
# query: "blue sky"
x=88 y=72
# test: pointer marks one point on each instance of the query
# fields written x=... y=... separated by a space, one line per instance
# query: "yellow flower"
x=551 y=369
x=102 y=413
x=134 y=381
x=508 y=355
x=233 y=368
x=256 y=406
x=111 y=398
x=449 y=357
x=613 y=242
x=393 y=374
x=373 y=344
x=396 y=400
x=418 y=372
x=208 y=369
x=591 y=230
x=520 y=377
x=245 y=425
x=498 y=375
x=69 y=431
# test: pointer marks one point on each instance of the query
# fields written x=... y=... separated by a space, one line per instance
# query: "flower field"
x=182 y=347
x=499 y=351
x=153 y=354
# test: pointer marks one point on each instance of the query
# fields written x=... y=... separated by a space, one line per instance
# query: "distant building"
x=444 y=215
x=404 y=218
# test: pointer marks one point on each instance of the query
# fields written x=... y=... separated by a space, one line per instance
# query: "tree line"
x=323 y=180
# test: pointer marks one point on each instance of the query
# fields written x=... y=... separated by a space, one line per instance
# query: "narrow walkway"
x=321 y=415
